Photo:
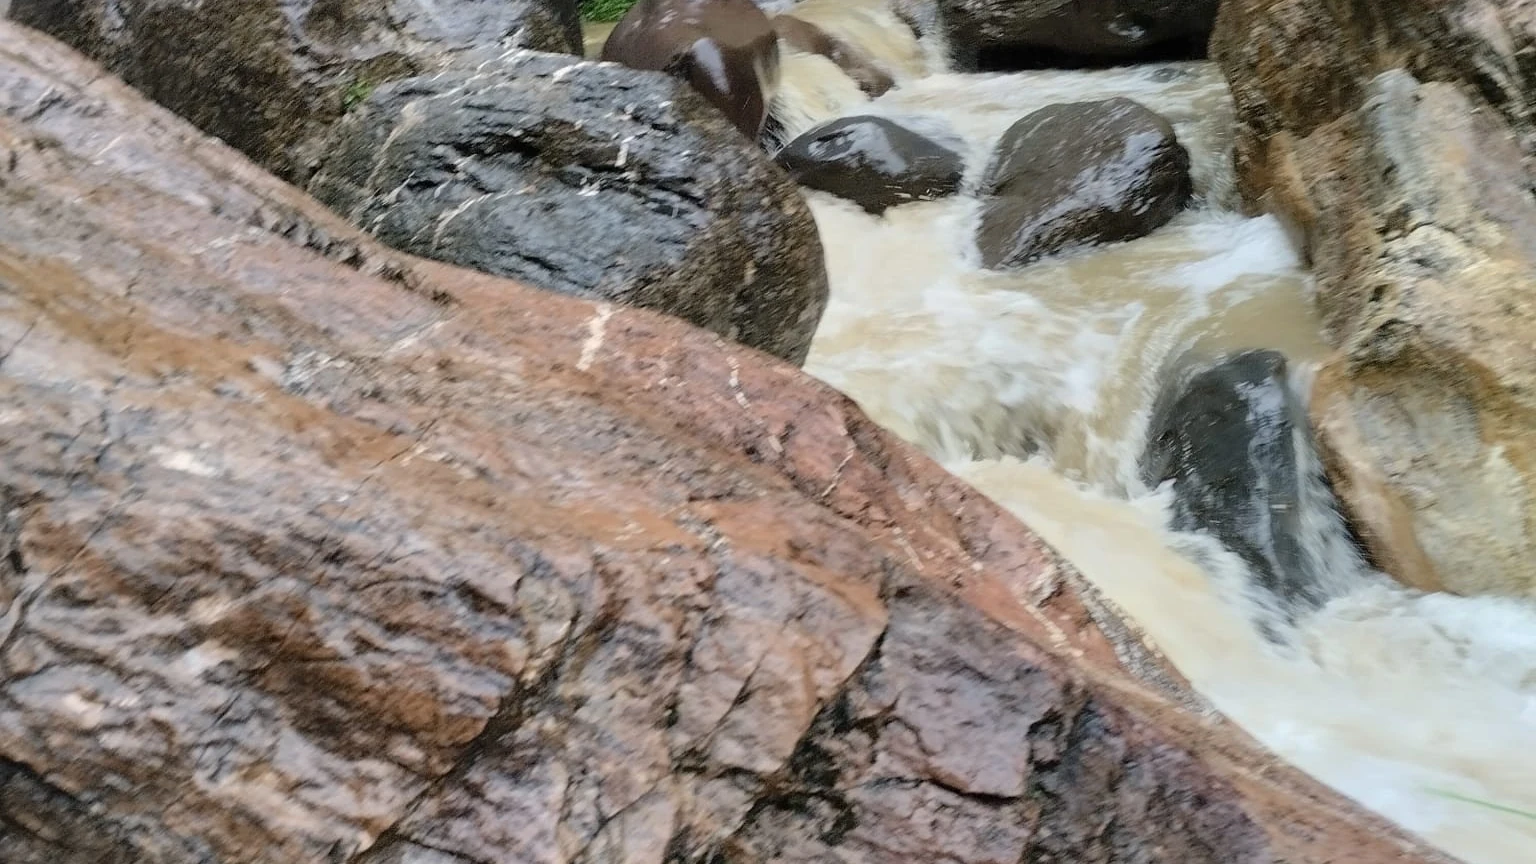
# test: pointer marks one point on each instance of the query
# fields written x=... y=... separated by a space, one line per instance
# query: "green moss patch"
x=605 y=10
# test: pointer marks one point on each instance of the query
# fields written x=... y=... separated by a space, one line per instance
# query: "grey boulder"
x=1080 y=174
x=590 y=179
x=872 y=161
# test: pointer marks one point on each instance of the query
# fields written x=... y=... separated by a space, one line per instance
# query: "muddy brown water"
x=1035 y=386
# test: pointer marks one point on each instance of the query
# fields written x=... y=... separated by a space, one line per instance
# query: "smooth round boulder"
x=727 y=50
x=1080 y=174
x=588 y=179
x=873 y=162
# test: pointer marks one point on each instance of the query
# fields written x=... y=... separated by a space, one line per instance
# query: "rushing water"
x=1035 y=386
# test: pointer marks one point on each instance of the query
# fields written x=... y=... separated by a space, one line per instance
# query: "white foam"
x=1401 y=700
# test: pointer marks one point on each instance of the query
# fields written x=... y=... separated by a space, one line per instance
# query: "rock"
x=873 y=162
x=312 y=552
x=727 y=50
x=1413 y=207
x=811 y=39
x=1080 y=174
x=1227 y=437
x=589 y=179
x=1380 y=516
x=1297 y=65
x=269 y=76
x=1033 y=34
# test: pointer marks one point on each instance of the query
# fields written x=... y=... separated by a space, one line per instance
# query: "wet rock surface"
x=727 y=50
x=1481 y=45
x=532 y=172
x=1227 y=436
x=1398 y=139
x=311 y=551
x=1080 y=174
x=269 y=76
x=873 y=162
x=1032 y=34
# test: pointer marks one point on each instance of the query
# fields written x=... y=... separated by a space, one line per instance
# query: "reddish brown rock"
x=312 y=552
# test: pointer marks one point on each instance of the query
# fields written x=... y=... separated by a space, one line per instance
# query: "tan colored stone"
x=1381 y=518
x=1413 y=201
x=312 y=552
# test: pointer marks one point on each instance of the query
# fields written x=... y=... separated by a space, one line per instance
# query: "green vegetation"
x=1488 y=804
x=355 y=94
x=605 y=10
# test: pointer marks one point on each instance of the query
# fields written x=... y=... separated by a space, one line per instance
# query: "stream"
x=1036 y=385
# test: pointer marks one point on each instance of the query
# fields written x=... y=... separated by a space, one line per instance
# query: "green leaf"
x=605 y=10
x=1454 y=796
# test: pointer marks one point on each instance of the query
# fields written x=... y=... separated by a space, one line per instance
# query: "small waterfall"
x=1036 y=386
x=872 y=27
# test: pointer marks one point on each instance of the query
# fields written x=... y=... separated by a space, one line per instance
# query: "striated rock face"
x=314 y=552
x=269 y=76
x=1040 y=33
x=1398 y=139
x=530 y=172
x=872 y=161
x=1080 y=174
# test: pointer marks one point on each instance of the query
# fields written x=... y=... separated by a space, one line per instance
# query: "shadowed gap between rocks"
x=1028 y=58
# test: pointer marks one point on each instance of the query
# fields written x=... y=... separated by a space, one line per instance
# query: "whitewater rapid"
x=1035 y=386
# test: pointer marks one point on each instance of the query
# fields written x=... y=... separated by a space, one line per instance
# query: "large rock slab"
x=589 y=179
x=315 y=552
x=1411 y=200
x=1080 y=174
x=269 y=76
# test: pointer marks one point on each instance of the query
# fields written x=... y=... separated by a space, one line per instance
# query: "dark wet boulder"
x=589 y=179
x=727 y=50
x=270 y=76
x=1033 y=34
x=1080 y=174
x=1227 y=436
x=872 y=162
